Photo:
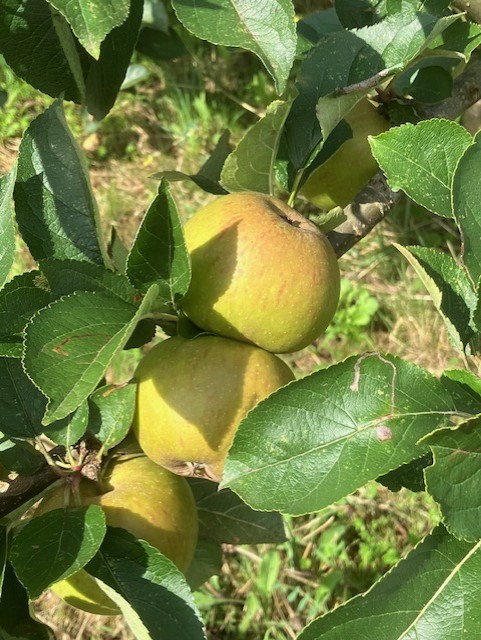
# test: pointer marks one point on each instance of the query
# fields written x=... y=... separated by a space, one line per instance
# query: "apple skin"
x=146 y=500
x=261 y=273
x=191 y=396
x=337 y=181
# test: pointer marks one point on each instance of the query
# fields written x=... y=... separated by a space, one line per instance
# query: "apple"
x=261 y=273
x=338 y=180
x=146 y=500
x=192 y=395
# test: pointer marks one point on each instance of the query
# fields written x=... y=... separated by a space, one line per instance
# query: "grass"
x=172 y=121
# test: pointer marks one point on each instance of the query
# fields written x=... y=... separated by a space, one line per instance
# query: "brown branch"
x=376 y=200
x=471 y=7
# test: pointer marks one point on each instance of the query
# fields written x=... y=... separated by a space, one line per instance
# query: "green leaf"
x=21 y=404
x=421 y=160
x=151 y=592
x=4 y=543
x=19 y=456
x=453 y=479
x=67 y=276
x=449 y=288
x=7 y=231
x=92 y=20
x=409 y=475
x=465 y=390
x=324 y=436
x=20 y=299
x=111 y=413
x=105 y=76
x=69 y=345
x=313 y=27
x=250 y=167
x=208 y=176
x=461 y=36
x=466 y=199
x=55 y=208
x=29 y=42
x=207 y=562
x=411 y=600
x=55 y=545
x=266 y=28
x=160 y=46
x=69 y=430
x=16 y=622
x=22 y=407
x=224 y=518
x=345 y=59
x=158 y=255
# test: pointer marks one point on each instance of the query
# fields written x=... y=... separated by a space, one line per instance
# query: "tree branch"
x=376 y=200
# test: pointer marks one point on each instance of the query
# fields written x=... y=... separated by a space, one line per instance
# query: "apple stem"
x=295 y=188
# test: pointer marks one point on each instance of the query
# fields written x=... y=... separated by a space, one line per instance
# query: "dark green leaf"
x=4 y=543
x=111 y=413
x=421 y=160
x=54 y=204
x=55 y=545
x=117 y=251
x=410 y=475
x=207 y=562
x=20 y=299
x=315 y=25
x=92 y=20
x=19 y=456
x=465 y=390
x=160 y=46
x=411 y=601
x=224 y=518
x=462 y=36
x=266 y=28
x=29 y=41
x=346 y=58
x=154 y=596
x=466 y=199
x=250 y=167
x=354 y=14
x=69 y=430
x=16 y=622
x=70 y=344
x=106 y=75
x=158 y=255
x=208 y=175
x=430 y=85
x=67 y=276
x=449 y=288
x=324 y=436
x=22 y=405
x=453 y=479
x=7 y=231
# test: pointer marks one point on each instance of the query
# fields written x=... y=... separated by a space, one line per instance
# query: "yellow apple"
x=349 y=169
x=261 y=273
x=191 y=396
x=146 y=500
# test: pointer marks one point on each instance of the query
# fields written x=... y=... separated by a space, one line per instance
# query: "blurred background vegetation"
x=172 y=119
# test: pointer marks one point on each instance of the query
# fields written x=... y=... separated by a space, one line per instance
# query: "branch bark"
x=14 y=493
x=377 y=199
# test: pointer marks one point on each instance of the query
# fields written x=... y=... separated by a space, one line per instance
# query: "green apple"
x=192 y=395
x=337 y=181
x=146 y=500
x=261 y=273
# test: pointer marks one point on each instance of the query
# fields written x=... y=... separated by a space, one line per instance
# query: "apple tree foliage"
x=373 y=416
